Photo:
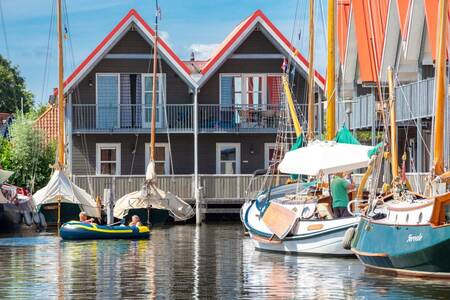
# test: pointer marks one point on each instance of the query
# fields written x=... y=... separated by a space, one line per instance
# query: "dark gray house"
x=235 y=95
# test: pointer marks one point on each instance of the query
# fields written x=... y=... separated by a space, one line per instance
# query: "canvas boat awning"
x=4 y=175
x=61 y=186
x=323 y=158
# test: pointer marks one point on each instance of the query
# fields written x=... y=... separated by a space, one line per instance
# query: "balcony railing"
x=239 y=117
x=413 y=101
x=131 y=117
x=177 y=118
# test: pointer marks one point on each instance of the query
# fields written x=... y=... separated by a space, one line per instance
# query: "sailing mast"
x=331 y=69
x=60 y=159
x=155 y=75
x=439 y=119
x=310 y=133
x=393 y=125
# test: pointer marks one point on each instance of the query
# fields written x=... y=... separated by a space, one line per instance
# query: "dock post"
x=107 y=195
x=198 y=212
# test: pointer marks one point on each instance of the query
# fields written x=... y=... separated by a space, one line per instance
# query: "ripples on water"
x=184 y=262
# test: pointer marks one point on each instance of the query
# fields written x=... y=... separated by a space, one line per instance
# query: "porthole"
x=420 y=218
x=407 y=218
x=305 y=213
x=396 y=218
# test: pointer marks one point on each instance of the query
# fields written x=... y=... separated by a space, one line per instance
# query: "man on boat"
x=84 y=218
x=339 y=192
x=135 y=221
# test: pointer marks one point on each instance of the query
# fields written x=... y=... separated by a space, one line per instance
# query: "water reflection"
x=184 y=262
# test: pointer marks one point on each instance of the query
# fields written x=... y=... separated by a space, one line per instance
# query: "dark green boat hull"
x=69 y=212
x=157 y=216
x=411 y=248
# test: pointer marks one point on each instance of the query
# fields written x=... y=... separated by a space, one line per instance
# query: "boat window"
x=305 y=212
x=396 y=218
x=420 y=218
x=407 y=218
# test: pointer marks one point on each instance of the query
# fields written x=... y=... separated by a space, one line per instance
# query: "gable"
x=257 y=42
x=135 y=22
x=132 y=42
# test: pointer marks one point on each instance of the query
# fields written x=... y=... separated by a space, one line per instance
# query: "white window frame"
x=238 y=156
x=166 y=155
x=161 y=98
x=267 y=158
x=117 y=147
x=118 y=95
x=244 y=76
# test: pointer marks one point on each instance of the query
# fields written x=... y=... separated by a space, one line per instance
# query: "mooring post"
x=107 y=195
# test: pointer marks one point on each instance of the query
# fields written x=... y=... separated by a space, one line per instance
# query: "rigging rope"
x=48 y=51
x=5 y=37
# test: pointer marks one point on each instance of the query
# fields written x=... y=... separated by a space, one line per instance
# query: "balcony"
x=176 y=118
x=131 y=118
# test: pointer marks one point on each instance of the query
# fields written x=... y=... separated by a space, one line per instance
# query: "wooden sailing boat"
x=61 y=200
x=152 y=204
x=405 y=232
x=297 y=217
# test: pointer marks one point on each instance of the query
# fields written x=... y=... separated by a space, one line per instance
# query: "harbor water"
x=188 y=262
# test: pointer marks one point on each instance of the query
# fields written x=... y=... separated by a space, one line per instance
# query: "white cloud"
x=165 y=36
x=202 y=51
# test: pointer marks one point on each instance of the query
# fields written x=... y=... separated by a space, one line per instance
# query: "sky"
x=186 y=25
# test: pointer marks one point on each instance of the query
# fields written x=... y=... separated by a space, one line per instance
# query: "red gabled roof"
x=343 y=20
x=48 y=123
x=370 y=20
x=131 y=14
x=431 y=13
x=237 y=33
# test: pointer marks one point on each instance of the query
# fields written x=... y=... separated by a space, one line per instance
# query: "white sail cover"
x=323 y=158
x=61 y=186
x=157 y=198
x=4 y=175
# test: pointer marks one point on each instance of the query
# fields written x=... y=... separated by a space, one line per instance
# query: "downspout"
x=198 y=213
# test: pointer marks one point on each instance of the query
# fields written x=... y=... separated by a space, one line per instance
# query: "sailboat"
x=297 y=218
x=152 y=204
x=61 y=200
x=407 y=233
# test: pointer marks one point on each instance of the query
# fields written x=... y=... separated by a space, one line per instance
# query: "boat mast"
x=393 y=125
x=310 y=134
x=60 y=160
x=439 y=118
x=155 y=75
x=331 y=69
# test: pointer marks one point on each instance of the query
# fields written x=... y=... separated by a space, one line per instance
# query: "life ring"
x=348 y=237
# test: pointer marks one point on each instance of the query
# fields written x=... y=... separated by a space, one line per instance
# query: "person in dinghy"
x=84 y=218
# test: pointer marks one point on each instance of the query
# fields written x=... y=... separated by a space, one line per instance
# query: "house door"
x=147 y=96
x=228 y=158
x=107 y=91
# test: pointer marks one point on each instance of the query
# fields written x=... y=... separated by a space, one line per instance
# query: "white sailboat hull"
x=308 y=237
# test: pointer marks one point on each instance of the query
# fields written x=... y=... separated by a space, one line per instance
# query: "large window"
x=269 y=151
x=250 y=89
x=107 y=92
x=147 y=95
x=108 y=159
x=162 y=160
x=228 y=158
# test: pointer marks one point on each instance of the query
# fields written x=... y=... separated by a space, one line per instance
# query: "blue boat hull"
x=409 y=249
x=82 y=231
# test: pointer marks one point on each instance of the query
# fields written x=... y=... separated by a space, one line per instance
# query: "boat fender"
x=348 y=237
x=27 y=218
x=42 y=220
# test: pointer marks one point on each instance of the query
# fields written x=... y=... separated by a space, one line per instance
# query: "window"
x=269 y=151
x=107 y=93
x=108 y=159
x=250 y=89
x=147 y=95
x=162 y=160
x=228 y=158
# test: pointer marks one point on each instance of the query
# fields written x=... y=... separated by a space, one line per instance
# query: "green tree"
x=13 y=89
x=27 y=154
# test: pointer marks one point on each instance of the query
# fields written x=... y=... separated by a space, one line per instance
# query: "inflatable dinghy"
x=75 y=230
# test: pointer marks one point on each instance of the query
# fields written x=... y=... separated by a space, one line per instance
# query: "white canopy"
x=60 y=186
x=4 y=175
x=157 y=198
x=325 y=158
